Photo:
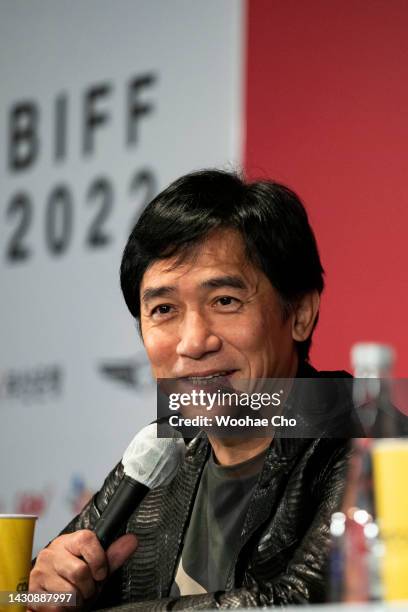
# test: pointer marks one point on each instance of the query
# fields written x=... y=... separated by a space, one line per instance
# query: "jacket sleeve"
x=89 y=515
x=303 y=580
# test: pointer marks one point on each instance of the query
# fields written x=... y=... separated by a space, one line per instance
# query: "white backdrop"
x=102 y=103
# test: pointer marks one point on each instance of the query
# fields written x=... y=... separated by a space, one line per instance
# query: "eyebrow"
x=152 y=293
x=229 y=280
x=218 y=282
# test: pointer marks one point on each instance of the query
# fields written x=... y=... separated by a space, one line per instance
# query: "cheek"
x=160 y=348
x=263 y=333
x=248 y=335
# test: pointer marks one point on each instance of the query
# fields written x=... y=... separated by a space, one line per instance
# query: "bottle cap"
x=372 y=359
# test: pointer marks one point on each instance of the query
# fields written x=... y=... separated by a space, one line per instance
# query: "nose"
x=196 y=337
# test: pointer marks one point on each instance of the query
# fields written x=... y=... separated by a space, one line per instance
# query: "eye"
x=226 y=300
x=161 y=311
x=227 y=303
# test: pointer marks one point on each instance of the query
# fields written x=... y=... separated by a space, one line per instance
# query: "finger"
x=44 y=577
x=87 y=546
x=120 y=551
x=56 y=584
x=75 y=572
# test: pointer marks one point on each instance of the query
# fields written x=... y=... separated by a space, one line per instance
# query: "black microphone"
x=148 y=462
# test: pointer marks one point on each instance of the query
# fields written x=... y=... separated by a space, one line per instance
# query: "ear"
x=305 y=314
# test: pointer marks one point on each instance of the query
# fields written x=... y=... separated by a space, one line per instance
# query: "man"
x=224 y=278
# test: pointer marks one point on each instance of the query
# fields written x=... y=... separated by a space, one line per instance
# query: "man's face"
x=215 y=313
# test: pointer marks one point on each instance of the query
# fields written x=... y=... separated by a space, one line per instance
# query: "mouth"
x=205 y=378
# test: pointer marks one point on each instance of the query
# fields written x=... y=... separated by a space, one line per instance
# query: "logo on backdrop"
x=133 y=373
x=33 y=502
x=32 y=385
x=79 y=493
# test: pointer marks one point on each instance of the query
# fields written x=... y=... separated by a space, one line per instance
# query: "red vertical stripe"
x=327 y=113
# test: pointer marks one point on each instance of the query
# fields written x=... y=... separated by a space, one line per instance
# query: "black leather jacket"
x=284 y=543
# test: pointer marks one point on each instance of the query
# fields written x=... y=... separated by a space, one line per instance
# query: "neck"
x=230 y=451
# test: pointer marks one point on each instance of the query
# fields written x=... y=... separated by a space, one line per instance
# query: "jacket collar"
x=279 y=461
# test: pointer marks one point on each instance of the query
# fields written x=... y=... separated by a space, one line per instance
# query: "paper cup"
x=390 y=462
x=16 y=544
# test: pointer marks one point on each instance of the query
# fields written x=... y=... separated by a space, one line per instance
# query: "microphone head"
x=154 y=461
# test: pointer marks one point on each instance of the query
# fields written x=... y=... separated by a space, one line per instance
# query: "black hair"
x=270 y=217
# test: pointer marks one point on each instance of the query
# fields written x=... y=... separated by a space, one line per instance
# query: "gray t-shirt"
x=213 y=535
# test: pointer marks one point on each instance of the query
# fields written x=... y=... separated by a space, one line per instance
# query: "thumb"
x=120 y=551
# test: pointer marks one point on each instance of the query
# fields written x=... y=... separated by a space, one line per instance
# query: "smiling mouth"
x=208 y=378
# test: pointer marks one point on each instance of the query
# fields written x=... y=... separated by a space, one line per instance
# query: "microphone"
x=148 y=462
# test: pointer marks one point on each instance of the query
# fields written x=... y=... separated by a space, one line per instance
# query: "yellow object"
x=16 y=544
x=390 y=462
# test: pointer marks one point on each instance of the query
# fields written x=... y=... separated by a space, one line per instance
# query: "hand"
x=76 y=563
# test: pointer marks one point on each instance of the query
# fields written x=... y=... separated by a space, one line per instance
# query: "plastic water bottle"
x=356 y=548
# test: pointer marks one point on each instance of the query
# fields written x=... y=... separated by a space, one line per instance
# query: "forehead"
x=221 y=251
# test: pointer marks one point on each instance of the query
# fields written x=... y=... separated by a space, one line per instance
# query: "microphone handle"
x=124 y=501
